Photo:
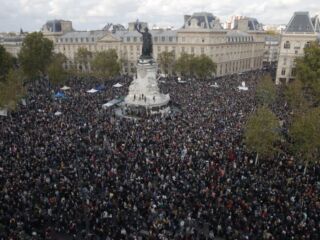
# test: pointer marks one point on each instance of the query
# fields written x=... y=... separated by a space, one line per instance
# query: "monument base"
x=144 y=90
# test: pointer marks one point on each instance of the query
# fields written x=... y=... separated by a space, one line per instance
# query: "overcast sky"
x=30 y=15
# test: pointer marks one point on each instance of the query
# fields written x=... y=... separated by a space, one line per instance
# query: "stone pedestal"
x=144 y=90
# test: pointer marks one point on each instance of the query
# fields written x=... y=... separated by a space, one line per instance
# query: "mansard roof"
x=300 y=23
x=202 y=20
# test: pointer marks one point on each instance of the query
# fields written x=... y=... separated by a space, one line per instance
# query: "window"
x=283 y=71
x=192 y=49
x=284 y=61
x=155 y=39
x=293 y=72
x=92 y=39
x=202 y=40
x=163 y=39
x=71 y=39
x=76 y=39
x=134 y=39
x=128 y=39
x=87 y=39
x=81 y=39
x=170 y=39
x=286 y=45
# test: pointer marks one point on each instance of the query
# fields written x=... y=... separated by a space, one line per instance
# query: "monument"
x=144 y=91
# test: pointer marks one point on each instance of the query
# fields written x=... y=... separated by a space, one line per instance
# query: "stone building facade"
x=301 y=30
x=233 y=51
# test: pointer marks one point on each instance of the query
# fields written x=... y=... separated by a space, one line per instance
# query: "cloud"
x=93 y=14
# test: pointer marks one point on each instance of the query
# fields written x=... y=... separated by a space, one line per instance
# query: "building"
x=12 y=43
x=233 y=51
x=271 y=53
x=301 y=30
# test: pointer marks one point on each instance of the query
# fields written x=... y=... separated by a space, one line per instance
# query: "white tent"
x=58 y=113
x=92 y=90
x=215 y=85
x=243 y=87
x=3 y=112
x=118 y=85
x=65 y=88
x=111 y=103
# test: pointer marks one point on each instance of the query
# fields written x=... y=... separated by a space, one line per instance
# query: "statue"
x=146 y=42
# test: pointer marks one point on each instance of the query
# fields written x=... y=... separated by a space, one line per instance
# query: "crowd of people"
x=88 y=174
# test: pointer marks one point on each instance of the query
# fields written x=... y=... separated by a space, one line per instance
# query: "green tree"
x=35 y=55
x=57 y=73
x=6 y=63
x=294 y=95
x=308 y=71
x=184 y=65
x=305 y=135
x=11 y=90
x=266 y=92
x=105 y=64
x=83 y=58
x=166 y=61
x=203 y=66
x=261 y=132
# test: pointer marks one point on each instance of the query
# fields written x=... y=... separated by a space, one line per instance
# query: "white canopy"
x=58 y=113
x=3 y=112
x=92 y=90
x=243 y=87
x=110 y=103
x=117 y=85
x=65 y=88
x=215 y=85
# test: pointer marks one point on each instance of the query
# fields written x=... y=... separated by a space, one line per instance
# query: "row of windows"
x=240 y=39
x=297 y=46
x=71 y=40
x=155 y=39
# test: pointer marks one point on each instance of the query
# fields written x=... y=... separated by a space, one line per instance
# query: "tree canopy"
x=266 y=92
x=35 y=55
x=11 y=90
x=56 y=71
x=261 y=132
x=305 y=134
x=83 y=57
x=166 y=61
x=6 y=63
x=201 y=66
x=308 y=71
x=105 y=64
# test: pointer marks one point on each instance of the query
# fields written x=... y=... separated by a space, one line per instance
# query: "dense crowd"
x=88 y=174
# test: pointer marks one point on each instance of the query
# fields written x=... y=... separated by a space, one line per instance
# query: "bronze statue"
x=146 y=42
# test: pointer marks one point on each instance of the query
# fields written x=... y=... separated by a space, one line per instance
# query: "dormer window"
x=286 y=45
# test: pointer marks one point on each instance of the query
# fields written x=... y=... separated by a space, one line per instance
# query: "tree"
x=83 y=57
x=35 y=55
x=308 y=72
x=166 y=61
x=6 y=63
x=105 y=64
x=294 y=95
x=266 y=93
x=261 y=132
x=56 y=71
x=11 y=90
x=183 y=64
x=305 y=134
x=203 y=66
